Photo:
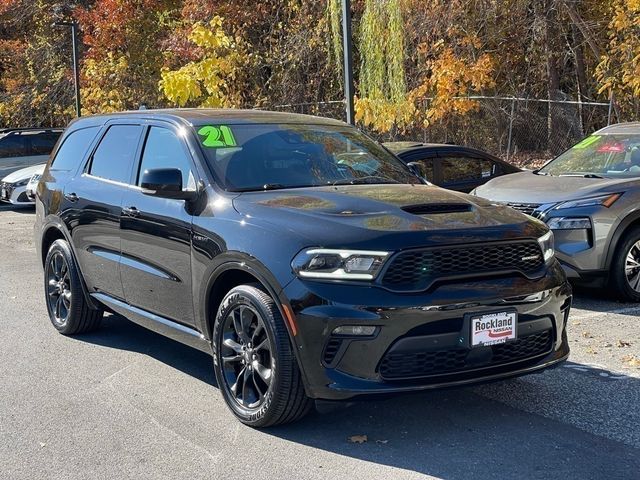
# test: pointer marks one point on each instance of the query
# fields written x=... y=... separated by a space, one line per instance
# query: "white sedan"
x=14 y=187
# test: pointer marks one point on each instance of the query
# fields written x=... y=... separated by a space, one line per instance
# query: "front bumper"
x=422 y=340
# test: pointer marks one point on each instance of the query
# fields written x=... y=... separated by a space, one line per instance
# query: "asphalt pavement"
x=124 y=402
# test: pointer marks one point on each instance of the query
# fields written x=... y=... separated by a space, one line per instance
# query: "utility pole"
x=76 y=66
x=348 y=60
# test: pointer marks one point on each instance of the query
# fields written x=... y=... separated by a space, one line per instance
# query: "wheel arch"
x=627 y=224
x=50 y=234
x=239 y=271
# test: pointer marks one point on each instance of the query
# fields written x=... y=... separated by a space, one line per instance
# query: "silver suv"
x=590 y=197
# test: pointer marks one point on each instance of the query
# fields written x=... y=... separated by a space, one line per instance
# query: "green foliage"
x=335 y=29
x=382 y=102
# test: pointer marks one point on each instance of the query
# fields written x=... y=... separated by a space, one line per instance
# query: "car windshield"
x=615 y=155
x=251 y=157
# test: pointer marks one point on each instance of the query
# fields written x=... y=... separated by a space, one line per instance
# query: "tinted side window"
x=163 y=149
x=115 y=155
x=461 y=169
x=14 y=145
x=73 y=149
x=43 y=143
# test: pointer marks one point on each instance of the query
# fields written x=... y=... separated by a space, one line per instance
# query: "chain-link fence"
x=524 y=131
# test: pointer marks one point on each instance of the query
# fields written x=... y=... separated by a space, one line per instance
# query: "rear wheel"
x=255 y=367
x=68 y=309
x=625 y=269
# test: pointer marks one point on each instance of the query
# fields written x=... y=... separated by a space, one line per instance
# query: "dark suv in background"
x=23 y=147
x=309 y=261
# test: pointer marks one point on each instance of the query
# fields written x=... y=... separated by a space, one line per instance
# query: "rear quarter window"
x=115 y=155
x=73 y=149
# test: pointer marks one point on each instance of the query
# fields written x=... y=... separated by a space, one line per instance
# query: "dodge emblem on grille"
x=530 y=257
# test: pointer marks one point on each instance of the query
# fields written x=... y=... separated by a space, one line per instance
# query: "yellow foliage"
x=207 y=80
x=619 y=68
x=382 y=115
x=103 y=90
x=450 y=76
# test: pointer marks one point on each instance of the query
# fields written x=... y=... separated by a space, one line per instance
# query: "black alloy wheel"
x=246 y=356
x=66 y=299
x=255 y=366
x=58 y=288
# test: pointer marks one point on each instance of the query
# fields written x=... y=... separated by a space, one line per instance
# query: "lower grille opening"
x=400 y=365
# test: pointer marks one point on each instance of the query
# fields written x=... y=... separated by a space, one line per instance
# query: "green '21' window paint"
x=217 y=136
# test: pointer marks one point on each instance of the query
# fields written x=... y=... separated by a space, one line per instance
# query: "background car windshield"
x=603 y=155
x=271 y=156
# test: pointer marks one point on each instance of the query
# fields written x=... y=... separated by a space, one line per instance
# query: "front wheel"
x=254 y=363
x=625 y=268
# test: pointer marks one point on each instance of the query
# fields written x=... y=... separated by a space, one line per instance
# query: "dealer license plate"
x=493 y=328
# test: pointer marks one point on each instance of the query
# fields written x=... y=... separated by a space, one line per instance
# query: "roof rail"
x=30 y=129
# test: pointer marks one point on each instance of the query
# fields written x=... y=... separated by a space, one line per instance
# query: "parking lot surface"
x=124 y=402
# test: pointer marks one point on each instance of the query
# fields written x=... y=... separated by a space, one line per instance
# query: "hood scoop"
x=433 y=208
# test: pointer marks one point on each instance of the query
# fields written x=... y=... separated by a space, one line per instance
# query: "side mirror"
x=417 y=169
x=165 y=183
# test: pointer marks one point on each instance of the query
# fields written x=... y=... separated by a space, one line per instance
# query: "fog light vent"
x=331 y=350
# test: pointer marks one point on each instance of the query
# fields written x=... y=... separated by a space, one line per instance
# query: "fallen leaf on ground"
x=358 y=439
x=623 y=343
x=592 y=351
x=631 y=360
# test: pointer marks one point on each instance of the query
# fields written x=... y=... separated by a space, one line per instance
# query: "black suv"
x=307 y=259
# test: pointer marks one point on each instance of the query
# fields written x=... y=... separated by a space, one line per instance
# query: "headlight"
x=603 y=200
x=569 y=223
x=338 y=264
x=21 y=183
x=546 y=244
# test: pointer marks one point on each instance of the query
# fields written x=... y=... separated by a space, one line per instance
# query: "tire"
x=628 y=251
x=260 y=382
x=68 y=309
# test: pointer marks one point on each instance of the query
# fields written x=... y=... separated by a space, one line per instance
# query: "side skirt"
x=156 y=323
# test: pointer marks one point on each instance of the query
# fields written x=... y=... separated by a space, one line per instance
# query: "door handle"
x=72 y=197
x=131 y=212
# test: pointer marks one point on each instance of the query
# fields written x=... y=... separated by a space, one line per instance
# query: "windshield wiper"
x=365 y=180
x=584 y=175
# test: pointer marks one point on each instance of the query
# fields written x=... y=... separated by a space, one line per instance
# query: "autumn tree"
x=123 y=57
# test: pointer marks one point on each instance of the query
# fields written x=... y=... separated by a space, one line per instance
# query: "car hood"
x=393 y=215
x=527 y=187
x=24 y=173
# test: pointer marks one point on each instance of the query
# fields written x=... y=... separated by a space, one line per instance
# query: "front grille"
x=526 y=208
x=415 y=270
x=396 y=366
x=8 y=188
